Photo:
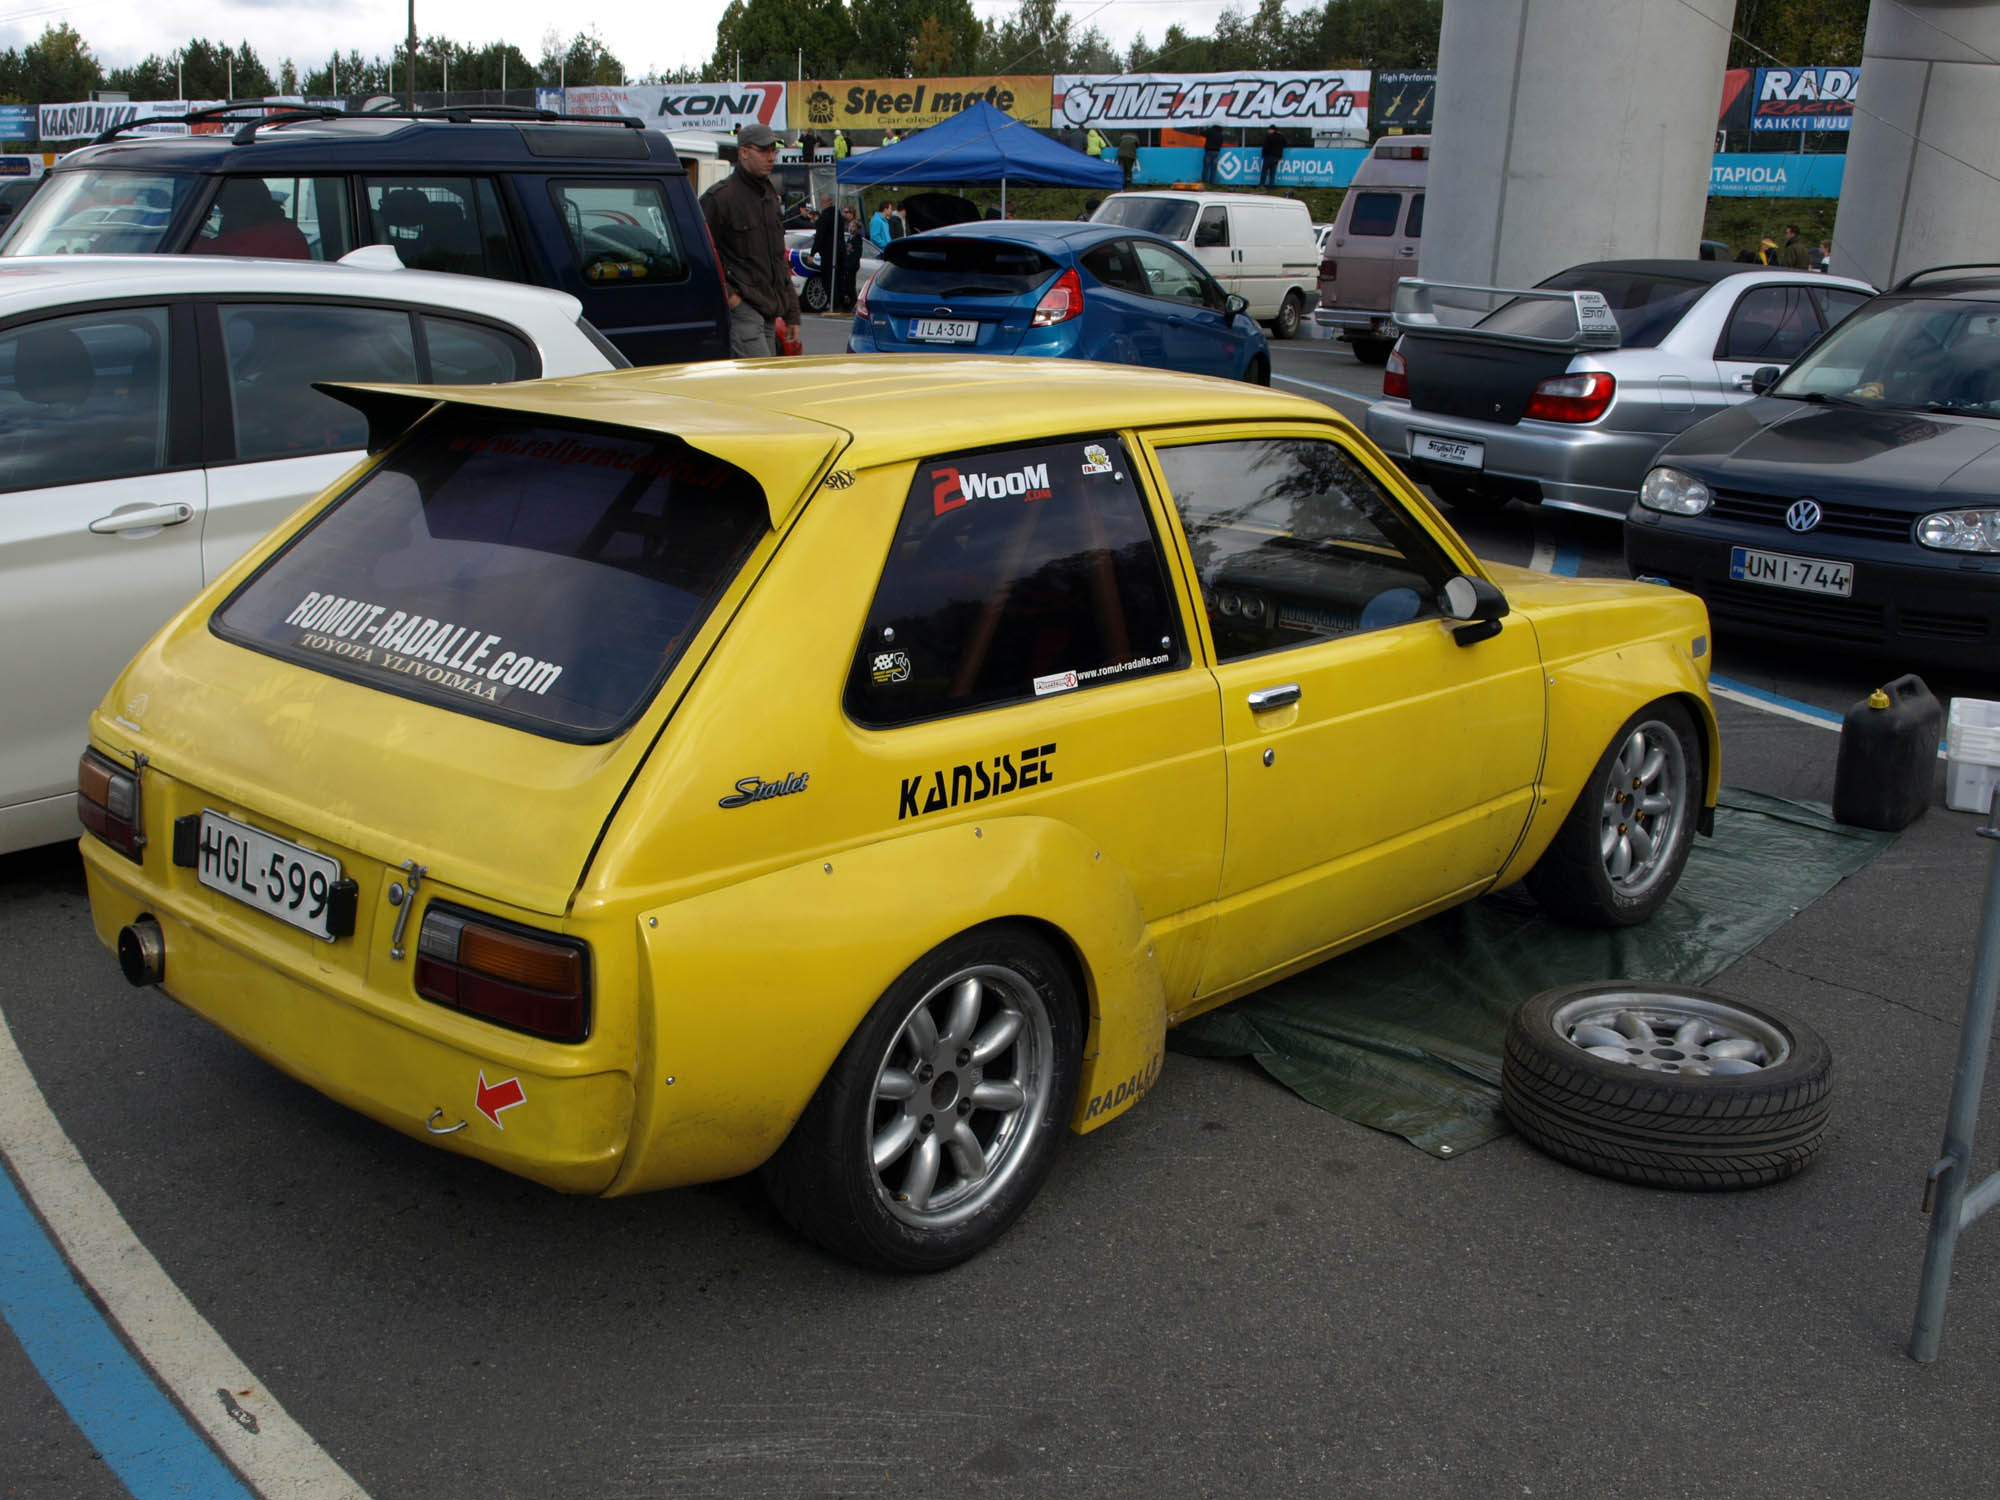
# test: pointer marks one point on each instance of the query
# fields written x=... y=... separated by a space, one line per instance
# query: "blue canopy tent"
x=979 y=144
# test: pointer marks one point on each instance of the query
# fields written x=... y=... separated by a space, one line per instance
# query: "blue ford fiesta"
x=1057 y=290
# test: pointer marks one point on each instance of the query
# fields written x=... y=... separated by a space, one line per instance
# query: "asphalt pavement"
x=1226 y=1292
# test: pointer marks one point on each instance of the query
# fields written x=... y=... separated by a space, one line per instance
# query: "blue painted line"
x=149 y=1444
x=1568 y=562
x=1776 y=699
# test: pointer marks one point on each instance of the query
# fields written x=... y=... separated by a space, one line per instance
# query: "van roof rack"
x=215 y=114
x=1916 y=276
x=270 y=115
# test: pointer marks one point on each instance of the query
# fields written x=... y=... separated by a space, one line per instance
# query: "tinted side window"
x=290 y=218
x=1213 y=230
x=476 y=354
x=1171 y=275
x=1772 y=324
x=1115 y=265
x=442 y=224
x=83 y=398
x=1836 y=303
x=620 y=231
x=1013 y=575
x=278 y=414
x=1295 y=542
x=1375 y=213
x=1413 y=226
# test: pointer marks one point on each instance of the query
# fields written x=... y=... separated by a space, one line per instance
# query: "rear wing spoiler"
x=1590 y=324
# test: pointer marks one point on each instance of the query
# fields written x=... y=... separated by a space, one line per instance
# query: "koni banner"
x=1153 y=101
x=912 y=103
x=678 y=106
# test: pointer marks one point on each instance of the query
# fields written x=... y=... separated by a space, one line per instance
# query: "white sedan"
x=158 y=416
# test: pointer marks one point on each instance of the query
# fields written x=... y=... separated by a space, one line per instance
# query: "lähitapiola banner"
x=1185 y=101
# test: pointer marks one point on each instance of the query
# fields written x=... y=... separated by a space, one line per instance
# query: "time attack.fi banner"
x=1184 y=101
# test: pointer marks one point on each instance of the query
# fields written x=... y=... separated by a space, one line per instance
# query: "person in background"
x=250 y=222
x=1823 y=257
x=879 y=233
x=850 y=259
x=1211 y=150
x=1274 y=153
x=1094 y=142
x=1128 y=155
x=840 y=146
x=1791 y=254
x=743 y=218
x=809 y=146
x=1089 y=208
x=826 y=249
x=898 y=225
x=892 y=137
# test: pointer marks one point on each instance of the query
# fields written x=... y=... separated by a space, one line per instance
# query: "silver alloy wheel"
x=1645 y=799
x=1663 y=1033
x=959 y=1094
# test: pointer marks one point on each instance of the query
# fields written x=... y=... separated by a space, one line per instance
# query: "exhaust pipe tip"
x=142 y=952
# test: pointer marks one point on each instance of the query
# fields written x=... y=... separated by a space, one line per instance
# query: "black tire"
x=1286 y=324
x=1258 y=372
x=912 y=1089
x=1372 y=351
x=813 y=295
x=1621 y=850
x=1663 y=1115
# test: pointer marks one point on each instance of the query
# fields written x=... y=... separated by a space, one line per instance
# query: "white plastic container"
x=1972 y=754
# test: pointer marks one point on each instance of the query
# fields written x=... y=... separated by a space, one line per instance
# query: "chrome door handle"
x=139 y=518
x=1265 y=699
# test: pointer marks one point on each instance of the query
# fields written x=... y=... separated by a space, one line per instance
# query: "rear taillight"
x=107 y=799
x=1396 y=376
x=1572 y=398
x=1329 y=270
x=530 y=982
x=1061 y=302
x=861 y=302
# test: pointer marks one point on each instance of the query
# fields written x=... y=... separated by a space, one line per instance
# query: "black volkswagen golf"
x=1856 y=501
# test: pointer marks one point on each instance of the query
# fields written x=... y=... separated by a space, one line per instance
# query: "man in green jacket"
x=1792 y=253
x=742 y=212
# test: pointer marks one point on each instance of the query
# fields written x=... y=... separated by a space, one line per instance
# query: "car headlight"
x=1674 y=492
x=1961 y=530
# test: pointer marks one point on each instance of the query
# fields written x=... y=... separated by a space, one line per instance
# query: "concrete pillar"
x=1918 y=188
x=1571 y=130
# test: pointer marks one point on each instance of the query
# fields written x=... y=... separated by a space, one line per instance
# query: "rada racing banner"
x=912 y=103
x=677 y=106
x=1184 y=101
x=1805 y=98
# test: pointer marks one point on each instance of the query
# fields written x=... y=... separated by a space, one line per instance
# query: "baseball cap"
x=756 y=133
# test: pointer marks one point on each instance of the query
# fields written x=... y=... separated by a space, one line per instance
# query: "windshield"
x=1646 y=307
x=928 y=266
x=545 y=576
x=1169 y=217
x=1939 y=354
x=98 y=213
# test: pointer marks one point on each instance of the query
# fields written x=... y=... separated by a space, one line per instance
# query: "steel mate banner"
x=1403 y=101
x=678 y=106
x=69 y=122
x=1153 y=101
x=1805 y=98
x=912 y=103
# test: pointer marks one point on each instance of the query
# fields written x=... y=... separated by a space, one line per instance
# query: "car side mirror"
x=1236 y=304
x=1476 y=602
x=1763 y=378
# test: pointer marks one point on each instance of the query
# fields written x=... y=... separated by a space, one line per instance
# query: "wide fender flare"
x=749 y=991
x=1589 y=697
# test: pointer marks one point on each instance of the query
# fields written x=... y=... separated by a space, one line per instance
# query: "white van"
x=1260 y=248
x=1374 y=244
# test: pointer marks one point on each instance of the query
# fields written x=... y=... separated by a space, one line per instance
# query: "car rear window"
x=1375 y=213
x=935 y=267
x=1168 y=217
x=544 y=575
x=98 y=213
x=1645 y=306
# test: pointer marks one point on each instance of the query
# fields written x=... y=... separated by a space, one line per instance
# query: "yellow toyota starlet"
x=851 y=767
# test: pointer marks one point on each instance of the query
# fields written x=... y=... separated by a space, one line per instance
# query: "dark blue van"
x=598 y=208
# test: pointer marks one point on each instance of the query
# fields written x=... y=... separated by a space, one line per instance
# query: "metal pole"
x=1946 y=1186
x=410 y=54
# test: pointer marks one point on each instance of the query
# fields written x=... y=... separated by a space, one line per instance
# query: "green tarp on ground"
x=1405 y=1034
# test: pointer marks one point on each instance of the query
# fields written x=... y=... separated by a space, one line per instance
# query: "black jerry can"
x=1888 y=756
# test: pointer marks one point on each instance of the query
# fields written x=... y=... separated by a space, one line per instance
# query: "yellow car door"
x=1378 y=767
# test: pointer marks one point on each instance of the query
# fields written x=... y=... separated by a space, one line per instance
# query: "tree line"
x=873 y=39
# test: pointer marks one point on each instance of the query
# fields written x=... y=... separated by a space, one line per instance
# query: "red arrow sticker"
x=490 y=1099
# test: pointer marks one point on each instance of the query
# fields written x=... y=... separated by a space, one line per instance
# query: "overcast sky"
x=644 y=36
